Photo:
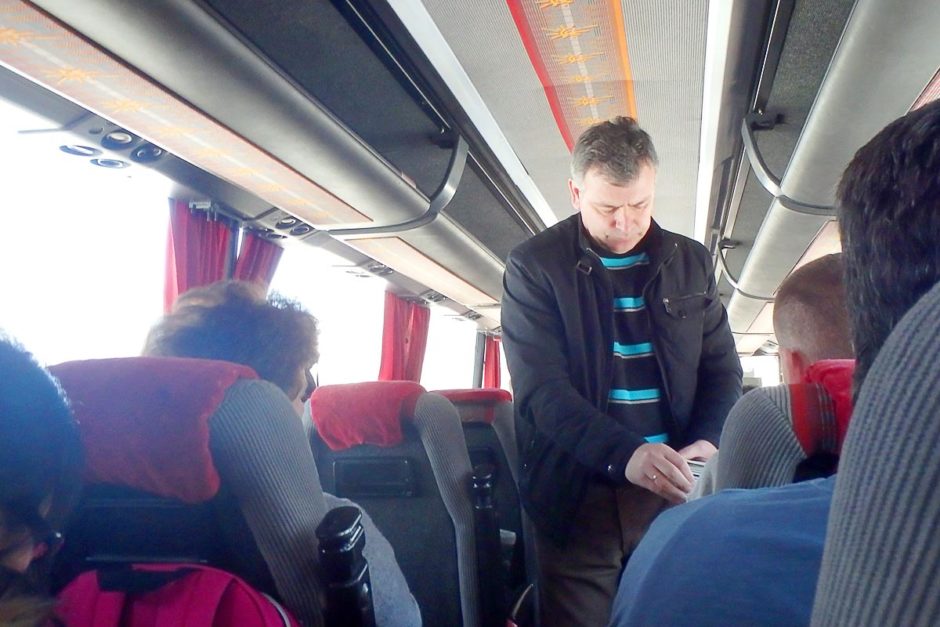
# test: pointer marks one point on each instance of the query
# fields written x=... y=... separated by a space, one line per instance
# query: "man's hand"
x=661 y=470
x=700 y=449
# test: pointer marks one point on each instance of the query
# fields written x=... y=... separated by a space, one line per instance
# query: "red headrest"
x=476 y=395
x=834 y=376
x=363 y=413
x=144 y=421
x=483 y=399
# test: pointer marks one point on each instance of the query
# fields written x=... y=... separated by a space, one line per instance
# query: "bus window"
x=70 y=290
x=761 y=370
x=505 y=381
x=348 y=309
x=448 y=360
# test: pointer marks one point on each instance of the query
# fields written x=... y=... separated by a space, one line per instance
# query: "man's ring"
x=652 y=477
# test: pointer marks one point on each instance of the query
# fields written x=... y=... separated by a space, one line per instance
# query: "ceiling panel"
x=484 y=38
x=550 y=68
x=666 y=43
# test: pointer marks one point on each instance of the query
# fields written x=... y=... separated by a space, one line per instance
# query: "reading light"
x=80 y=151
x=379 y=269
x=111 y=164
x=431 y=296
x=147 y=153
x=116 y=140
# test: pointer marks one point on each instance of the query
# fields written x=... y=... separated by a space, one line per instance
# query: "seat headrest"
x=836 y=376
x=144 y=421
x=832 y=377
x=351 y=414
x=476 y=404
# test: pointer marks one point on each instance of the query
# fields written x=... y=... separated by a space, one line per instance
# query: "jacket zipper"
x=653 y=336
x=674 y=303
x=608 y=360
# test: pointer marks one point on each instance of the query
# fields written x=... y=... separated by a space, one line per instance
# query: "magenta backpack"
x=167 y=595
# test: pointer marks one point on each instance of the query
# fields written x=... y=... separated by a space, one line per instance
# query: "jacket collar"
x=588 y=259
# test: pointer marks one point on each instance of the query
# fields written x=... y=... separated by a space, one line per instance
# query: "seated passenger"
x=763 y=441
x=752 y=557
x=740 y=557
x=233 y=321
x=40 y=476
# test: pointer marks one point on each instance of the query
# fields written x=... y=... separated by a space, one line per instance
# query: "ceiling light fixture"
x=80 y=151
x=111 y=164
x=119 y=139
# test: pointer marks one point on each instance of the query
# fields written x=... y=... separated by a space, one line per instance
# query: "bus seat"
x=400 y=453
x=786 y=433
x=488 y=406
x=881 y=557
x=487 y=418
x=156 y=492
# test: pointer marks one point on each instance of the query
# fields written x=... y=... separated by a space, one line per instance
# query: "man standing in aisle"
x=623 y=367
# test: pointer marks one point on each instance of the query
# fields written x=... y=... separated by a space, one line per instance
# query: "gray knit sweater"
x=262 y=455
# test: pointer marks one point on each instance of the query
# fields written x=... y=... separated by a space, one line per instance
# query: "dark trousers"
x=577 y=583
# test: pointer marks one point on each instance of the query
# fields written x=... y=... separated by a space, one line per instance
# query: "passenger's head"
x=613 y=183
x=40 y=458
x=810 y=318
x=889 y=218
x=234 y=321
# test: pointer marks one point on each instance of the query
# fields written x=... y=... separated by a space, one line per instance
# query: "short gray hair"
x=810 y=313
x=618 y=147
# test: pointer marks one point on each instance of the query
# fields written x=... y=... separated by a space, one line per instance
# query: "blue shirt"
x=740 y=557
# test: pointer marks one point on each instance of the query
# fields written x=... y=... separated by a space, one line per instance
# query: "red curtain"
x=257 y=259
x=491 y=365
x=404 y=338
x=196 y=253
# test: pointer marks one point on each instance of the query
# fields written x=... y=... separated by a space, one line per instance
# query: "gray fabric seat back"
x=882 y=556
x=487 y=419
x=415 y=489
x=775 y=435
x=488 y=423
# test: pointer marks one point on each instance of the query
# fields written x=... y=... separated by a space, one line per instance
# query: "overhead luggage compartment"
x=312 y=89
x=880 y=64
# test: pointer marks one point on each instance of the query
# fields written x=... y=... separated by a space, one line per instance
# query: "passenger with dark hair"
x=753 y=556
x=889 y=220
x=40 y=477
x=235 y=321
x=623 y=368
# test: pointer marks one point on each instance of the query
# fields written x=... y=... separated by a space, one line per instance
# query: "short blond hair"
x=810 y=313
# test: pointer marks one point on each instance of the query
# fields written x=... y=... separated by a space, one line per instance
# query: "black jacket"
x=557 y=318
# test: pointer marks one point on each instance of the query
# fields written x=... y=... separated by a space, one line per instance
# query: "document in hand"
x=697 y=467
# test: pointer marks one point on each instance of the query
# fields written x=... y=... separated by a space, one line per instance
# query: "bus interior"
x=411 y=144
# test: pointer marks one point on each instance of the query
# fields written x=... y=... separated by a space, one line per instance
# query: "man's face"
x=615 y=216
